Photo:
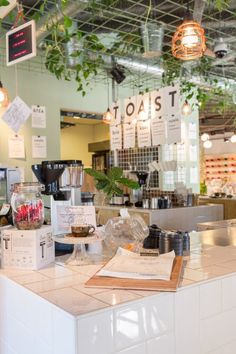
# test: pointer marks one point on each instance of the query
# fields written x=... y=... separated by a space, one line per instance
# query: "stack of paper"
x=126 y=264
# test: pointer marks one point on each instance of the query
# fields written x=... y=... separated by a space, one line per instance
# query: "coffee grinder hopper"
x=48 y=173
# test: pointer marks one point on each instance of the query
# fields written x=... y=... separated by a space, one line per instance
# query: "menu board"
x=129 y=136
x=115 y=137
x=158 y=128
x=144 y=134
x=21 y=43
x=173 y=128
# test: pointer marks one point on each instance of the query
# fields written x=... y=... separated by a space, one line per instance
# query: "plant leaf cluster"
x=85 y=68
x=111 y=182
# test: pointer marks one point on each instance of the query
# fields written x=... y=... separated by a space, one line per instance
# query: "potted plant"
x=111 y=182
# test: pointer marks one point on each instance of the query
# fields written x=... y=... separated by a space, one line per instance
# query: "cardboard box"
x=27 y=249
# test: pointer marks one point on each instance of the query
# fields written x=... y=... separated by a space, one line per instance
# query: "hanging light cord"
x=108 y=93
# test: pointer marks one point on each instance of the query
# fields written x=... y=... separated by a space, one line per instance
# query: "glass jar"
x=27 y=206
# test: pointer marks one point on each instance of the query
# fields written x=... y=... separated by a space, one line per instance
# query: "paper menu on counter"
x=66 y=215
x=130 y=265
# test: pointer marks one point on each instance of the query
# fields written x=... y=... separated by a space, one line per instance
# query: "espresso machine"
x=62 y=180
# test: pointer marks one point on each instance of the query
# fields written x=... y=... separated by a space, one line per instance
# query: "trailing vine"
x=88 y=53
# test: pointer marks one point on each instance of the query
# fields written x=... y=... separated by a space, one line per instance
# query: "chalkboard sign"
x=21 y=43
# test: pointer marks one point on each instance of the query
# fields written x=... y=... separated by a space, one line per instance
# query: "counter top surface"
x=215 y=198
x=118 y=207
x=213 y=254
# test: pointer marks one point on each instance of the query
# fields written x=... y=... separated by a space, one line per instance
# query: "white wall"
x=219 y=147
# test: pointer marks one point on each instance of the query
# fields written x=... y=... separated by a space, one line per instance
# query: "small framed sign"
x=21 y=43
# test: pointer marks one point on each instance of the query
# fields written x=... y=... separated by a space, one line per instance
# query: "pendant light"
x=207 y=144
x=189 y=40
x=205 y=137
x=186 y=108
x=107 y=116
x=4 y=100
x=233 y=138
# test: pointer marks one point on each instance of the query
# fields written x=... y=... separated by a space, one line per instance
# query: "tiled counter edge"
x=199 y=318
x=30 y=324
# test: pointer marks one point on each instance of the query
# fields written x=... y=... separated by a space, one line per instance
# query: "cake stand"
x=79 y=255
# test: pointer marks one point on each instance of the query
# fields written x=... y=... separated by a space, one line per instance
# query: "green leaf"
x=4 y=3
x=101 y=184
x=42 y=7
x=129 y=183
x=100 y=176
x=115 y=173
x=67 y=22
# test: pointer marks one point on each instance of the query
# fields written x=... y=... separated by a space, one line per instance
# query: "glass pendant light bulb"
x=3 y=96
x=186 y=109
x=233 y=138
x=205 y=137
x=189 y=39
x=207 y=144
x=107 y=117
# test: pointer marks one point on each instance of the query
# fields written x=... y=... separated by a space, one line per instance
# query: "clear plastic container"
x=27 y=206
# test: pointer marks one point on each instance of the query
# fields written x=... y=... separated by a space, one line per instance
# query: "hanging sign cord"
x=16 y=79
x=20 y=14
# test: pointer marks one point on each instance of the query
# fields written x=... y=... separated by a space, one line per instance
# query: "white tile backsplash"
x=63 y=333
x=229 y=348
x=5 y=348
x=137 y=349
x=210 y=333
x=210 y=299
x=158 y=314
x=95 y=334
x=129 y=326
x=217 y=331
x=187 y=321
x=229 y=292
x=163 y=345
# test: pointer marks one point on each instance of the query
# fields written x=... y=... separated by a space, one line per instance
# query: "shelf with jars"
x=220 y=167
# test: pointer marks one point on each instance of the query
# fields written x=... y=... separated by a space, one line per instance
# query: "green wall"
x=43 y=89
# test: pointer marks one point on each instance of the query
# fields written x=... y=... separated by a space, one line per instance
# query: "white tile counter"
x=51 y=312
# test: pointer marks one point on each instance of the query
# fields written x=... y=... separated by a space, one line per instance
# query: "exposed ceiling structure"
x=122 y=20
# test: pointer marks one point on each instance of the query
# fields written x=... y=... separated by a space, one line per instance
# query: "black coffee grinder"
x=62 y=180
x=137 y=194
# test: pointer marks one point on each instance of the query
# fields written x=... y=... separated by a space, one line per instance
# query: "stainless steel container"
x=146 y=203
x=154 y=203
x=72 y=175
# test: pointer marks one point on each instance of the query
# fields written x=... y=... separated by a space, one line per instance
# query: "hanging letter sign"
x=130 y=109
x=21 y=43
x=116 y=112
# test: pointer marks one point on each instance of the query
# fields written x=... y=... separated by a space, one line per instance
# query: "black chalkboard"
x=21 y=43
